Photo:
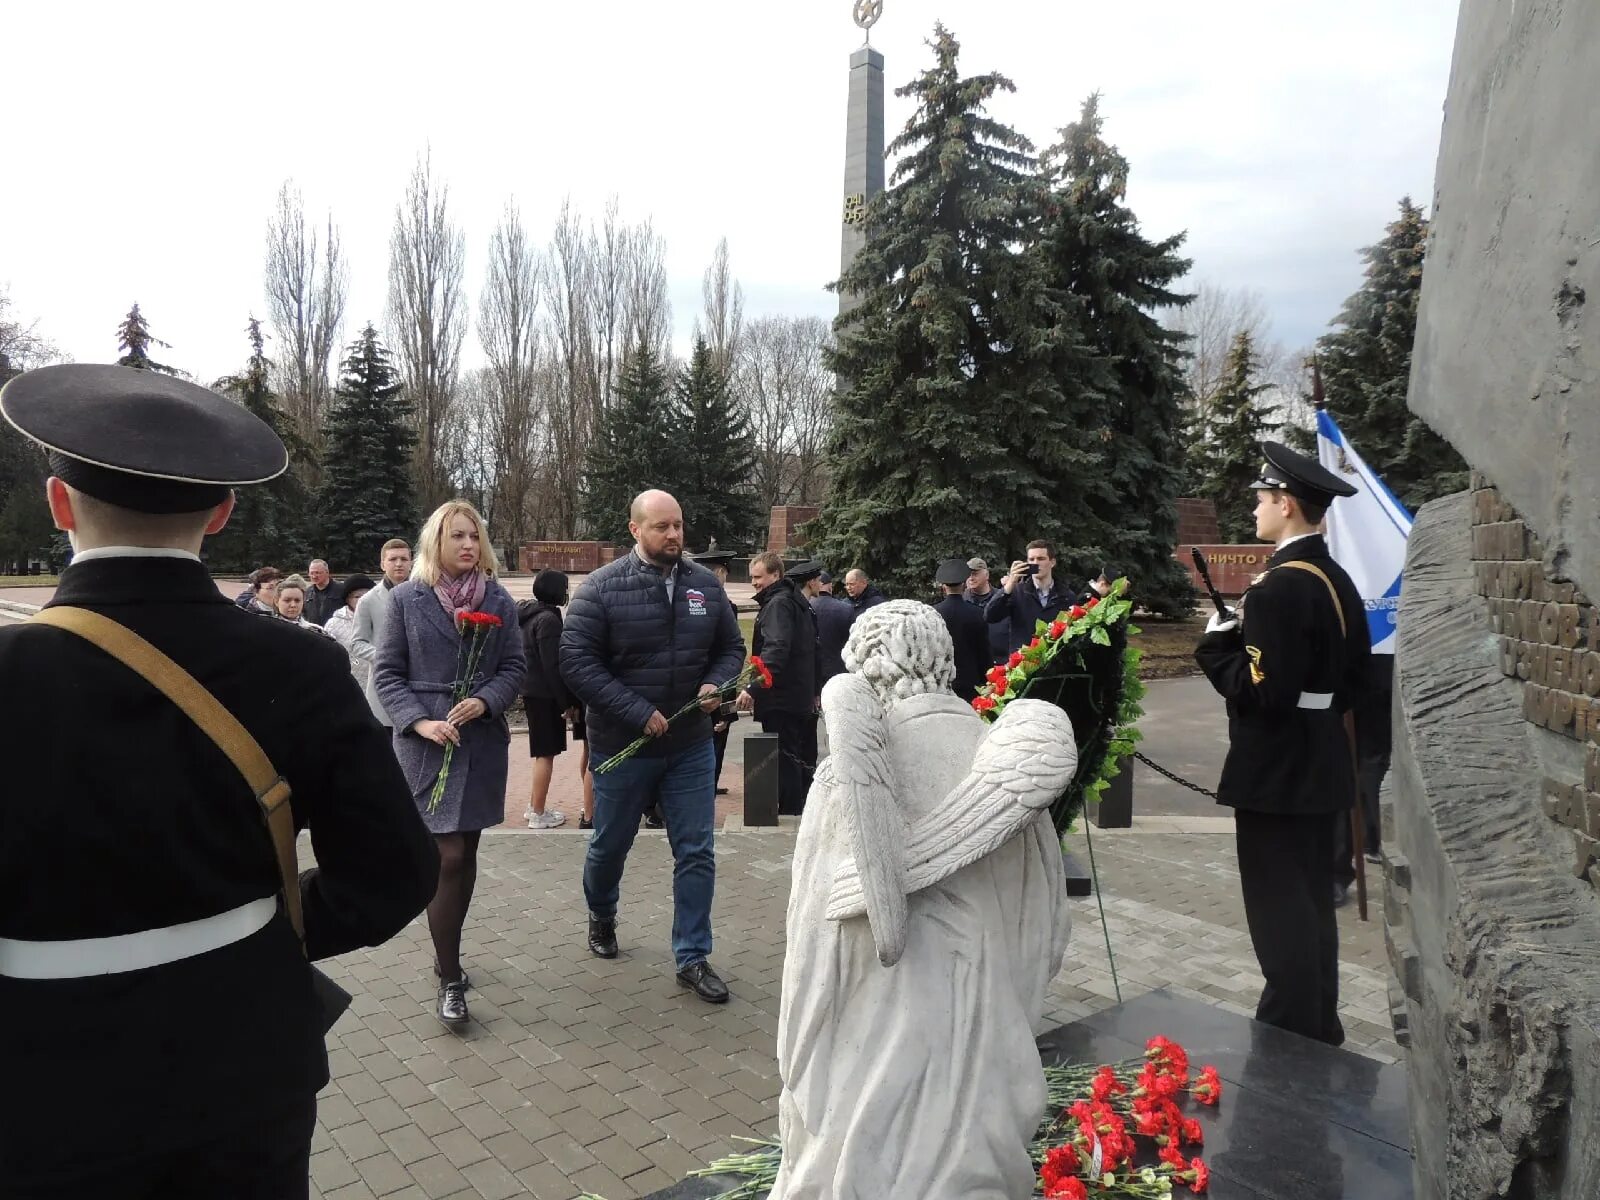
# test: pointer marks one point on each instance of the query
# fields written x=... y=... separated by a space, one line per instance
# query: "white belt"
x=1315 y=700
x=84 y=957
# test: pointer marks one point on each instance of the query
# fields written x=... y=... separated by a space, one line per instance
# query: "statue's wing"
x=857 y=743
x=1022 y=765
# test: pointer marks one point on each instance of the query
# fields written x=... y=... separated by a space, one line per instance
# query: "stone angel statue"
x=926 y=919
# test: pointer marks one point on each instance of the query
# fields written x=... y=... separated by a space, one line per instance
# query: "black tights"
x=447 y=911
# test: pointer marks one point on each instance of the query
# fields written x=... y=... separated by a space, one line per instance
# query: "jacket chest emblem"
x=696 y=601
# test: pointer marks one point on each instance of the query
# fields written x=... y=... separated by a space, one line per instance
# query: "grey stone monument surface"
x=863 y=142
x=1493 y=799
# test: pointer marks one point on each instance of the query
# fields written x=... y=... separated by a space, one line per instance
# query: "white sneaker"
x=546 y=820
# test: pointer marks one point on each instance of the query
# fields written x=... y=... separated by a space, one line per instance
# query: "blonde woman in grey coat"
x=419 y=657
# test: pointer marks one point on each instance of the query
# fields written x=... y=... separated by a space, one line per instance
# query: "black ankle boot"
x=602 y=936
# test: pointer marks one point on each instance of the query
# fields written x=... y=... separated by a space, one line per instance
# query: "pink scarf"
x=462 y=594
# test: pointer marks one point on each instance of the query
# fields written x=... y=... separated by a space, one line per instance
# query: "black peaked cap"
x=140 y=439
x=951 y=572
x=1287 y=470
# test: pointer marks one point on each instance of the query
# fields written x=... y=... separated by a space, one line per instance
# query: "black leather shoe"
x=722 y=791
x=705 y=982
x=602 y=936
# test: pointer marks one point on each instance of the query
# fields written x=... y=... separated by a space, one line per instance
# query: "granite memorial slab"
x=1298 y=1120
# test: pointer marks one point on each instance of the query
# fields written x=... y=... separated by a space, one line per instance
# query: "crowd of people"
x=170 y=873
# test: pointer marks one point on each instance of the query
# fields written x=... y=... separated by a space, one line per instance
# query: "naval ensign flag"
x=1366 y=533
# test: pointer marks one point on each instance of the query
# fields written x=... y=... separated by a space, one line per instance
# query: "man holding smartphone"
x=1031 y=593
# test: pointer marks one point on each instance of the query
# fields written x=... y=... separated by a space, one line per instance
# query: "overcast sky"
x=145 y=145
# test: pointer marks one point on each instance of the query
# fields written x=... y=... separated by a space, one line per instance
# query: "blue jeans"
x=683 y=784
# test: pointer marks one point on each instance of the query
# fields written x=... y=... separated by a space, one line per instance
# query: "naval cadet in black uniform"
x=1290 y=663
x=969 y=632
x=160 y=1025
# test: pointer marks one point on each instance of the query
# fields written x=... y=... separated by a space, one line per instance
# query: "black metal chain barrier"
x=1178 y=779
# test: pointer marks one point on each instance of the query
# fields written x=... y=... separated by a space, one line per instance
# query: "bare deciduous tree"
x=305 y=306
x=21 y=347
x=781 y=376
x=723 y=319
x=1213 y=319
x=508 y=328
x=649 y=309
x=427 y=316
x=573 y=398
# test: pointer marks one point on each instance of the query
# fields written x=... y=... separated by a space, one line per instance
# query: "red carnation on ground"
x=1192 y=1131
x=1070 y=1188
x=1199 y=1176
x=1208 y=1088
x=1060 y=1164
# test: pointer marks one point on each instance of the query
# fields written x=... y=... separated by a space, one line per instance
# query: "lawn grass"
x=28 y=581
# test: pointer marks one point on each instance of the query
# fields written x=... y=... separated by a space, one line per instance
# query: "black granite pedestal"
x=761 y=779
x=1298 y=1120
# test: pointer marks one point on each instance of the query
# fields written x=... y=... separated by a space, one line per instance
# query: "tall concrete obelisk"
x=863 y=140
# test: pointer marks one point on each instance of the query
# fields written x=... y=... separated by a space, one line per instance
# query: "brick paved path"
x=578 y=1074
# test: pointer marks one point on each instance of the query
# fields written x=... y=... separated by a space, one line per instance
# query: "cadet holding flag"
x=1290 y=663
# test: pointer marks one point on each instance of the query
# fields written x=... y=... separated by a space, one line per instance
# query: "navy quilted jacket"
x=627 y=651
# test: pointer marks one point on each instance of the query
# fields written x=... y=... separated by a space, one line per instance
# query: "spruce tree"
x=944 y=440
x=367 y=495
x=637 y=446
x=717 y=452
x=1236 y=423
x=1106 y=280
x=134 y=339
x=1366 y=369
x=269 y=519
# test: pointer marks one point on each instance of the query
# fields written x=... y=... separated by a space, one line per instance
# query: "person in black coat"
x=863 y=593
x=546 y=702
x=158 y=1018
x=1032 y=592
x=969 y=632
x=1290 y=663
x=979 y=591
x=786 y=641
x=835 y=615
x=725 y=716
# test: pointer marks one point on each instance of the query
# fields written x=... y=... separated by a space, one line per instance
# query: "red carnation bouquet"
x=475 y=629
x=1089 y=1148
x=755 y=672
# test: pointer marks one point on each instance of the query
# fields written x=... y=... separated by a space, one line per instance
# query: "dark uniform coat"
x=970 y=633
x=1289 y=775
x=835 y=615
x=1283 y=758
x=120 y=816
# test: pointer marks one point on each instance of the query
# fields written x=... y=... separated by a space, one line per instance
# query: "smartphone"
x=1030 y=568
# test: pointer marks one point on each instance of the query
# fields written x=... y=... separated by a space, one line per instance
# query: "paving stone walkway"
x=581 y=1075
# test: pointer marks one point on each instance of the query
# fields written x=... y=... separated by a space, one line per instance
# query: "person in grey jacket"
x=371 y=615
x=644 y=636
x=419 y=660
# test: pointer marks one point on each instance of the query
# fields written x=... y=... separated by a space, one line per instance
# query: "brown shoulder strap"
x=271 y=790
x=1333 y=593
